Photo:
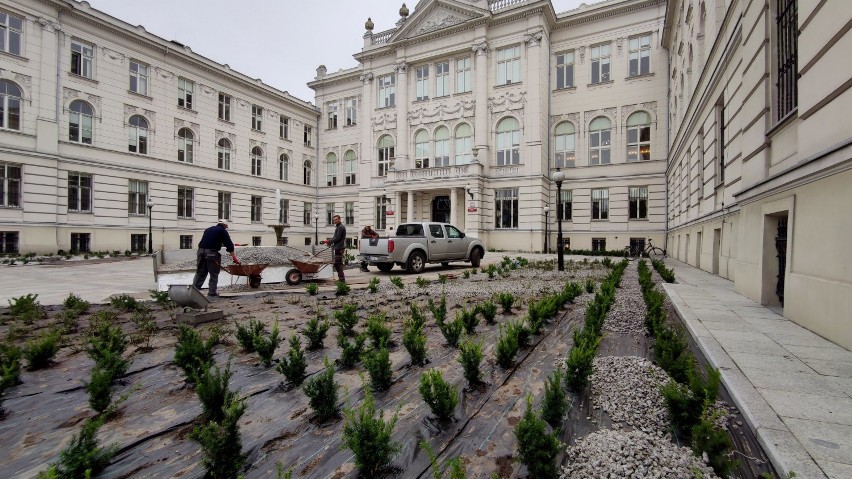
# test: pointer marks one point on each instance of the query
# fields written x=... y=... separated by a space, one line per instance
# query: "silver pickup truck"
x=416 y=244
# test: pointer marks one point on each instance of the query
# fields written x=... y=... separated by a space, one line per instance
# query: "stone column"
x=454 y=203
x=409 y=215
x=397 y=213
x=532 y=123
x=402 y=161
x=367 y=168
x=48 y=96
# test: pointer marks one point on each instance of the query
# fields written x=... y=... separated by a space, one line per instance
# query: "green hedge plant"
x=414 y=340
x=554 y=405
x=537 y=449
x=40 y=351
x=213 y=393
x=322 y=392
x=266 y=345
x=247 y=333
x=294 y=365
x=378 y=365
x=346 y=319
x=368 y=435
x=439 y=395
x=470 y=358
x=315 y=330
x=193 y=355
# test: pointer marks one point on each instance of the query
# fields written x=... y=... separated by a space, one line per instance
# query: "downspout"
x=317 y=162
x=549 y=132
x=58 y=101
x=666 y=177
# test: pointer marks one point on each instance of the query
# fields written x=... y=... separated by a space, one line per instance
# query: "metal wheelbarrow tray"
x=250 y=270
x=317 y=266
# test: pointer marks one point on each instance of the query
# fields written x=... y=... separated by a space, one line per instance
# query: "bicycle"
x=650 y=251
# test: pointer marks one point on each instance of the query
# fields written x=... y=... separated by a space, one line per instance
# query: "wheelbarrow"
x=250 y=270
x=318 y=266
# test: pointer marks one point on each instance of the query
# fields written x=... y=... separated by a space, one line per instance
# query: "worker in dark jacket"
x=338 y=245
x=209 y=258
x=369 y=233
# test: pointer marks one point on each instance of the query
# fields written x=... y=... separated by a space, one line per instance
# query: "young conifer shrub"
x=580 y=363
x=146 y=327
x=213 y=393
x=536 y=448
x=315 y=330
x=454 y=465
x=221 y=444
x=439 y=311
x=488 y=310
x=312 y=289
x=378 y=364
x=75 y=305
x=590 y=286
x=520 y=331
x=341 y=288
x=417 y=317
x=322 y=392
x=469 y=318
x=441 y=396
x=40 y=351
x=554 y=405
x=378 y=330
x=105 y=346
x=162 y=299
x=100 y=389
x=27 y=308
x=368 y=436
x=10 y=366
x=421 y=282
x=83 y=456
x=247 y=333
x=671 y=354
x=470 y=358
x=452 y=331
x=294 y=365
x=192 y=354
x=506 y=300
x=266 y=345
x=373 y=287
x=397 y=281
x=346 y=319
x=709 y=439
x=507 y=347
x=414 y=341
x=124 y=302
x=350 y=351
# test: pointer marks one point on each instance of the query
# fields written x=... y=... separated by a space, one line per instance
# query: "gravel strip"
x=274 y=256
x=627 y=388
x=627 y=314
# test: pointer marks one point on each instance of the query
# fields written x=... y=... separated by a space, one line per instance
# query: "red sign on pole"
x=389 y=212
x=471 y=209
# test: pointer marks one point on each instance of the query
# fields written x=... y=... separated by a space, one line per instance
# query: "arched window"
x=386 y=155
x=350 y=166
x=256 y=161
x=138 y=141
x=421 y=149
x=306 y=172
x=508 y=142
x=331 y=169
x=283 y=167
x=10 y=103
x=639 y=136
x=223 y=151
x=80 y=116
x=464 y=144
x=564 y=135
x=442 y=146
x=600 y=140
x=185 y=139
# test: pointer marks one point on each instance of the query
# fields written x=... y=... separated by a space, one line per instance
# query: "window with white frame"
x=283 y=211
x=350 y=166
x=138 y=77
x=137 y=197
x=464 y=144
x=224 y=106
x=80 y=121
x=82 y=58
x=307 y=167
x=283 y=127
x=638 y=200
x=256 y=209
x=256 y=118
x=639 y=55
x=421 y=149
x=329 y=213
x=509 y=65
x=185 y=140
x=566 y=202
x=351 y=105
x=463 y=77
x=256 y=161
x=600 y=141
x=564 y=139
x=11 y=33
x=386 y=155
x=138 y=135
x=442 y=146
x=186 y=88
x=600 y=204
x=185 y=196
x=381 y=212
x=8 y=242
x=307 y=211
x=442 y=79
x=309 y=134
x=600 y=63
x=349 y=212
x=565 y=70
x=421 y=83
x=331 y=114
x=224 y=205
x=79 y=192
x=506 y=208
x=10 y=103
x=223 y=152
x=284 y=167
x=10 y=185
x=331 y=169
x=386 y=91
x=508 y=142
x=639 y=136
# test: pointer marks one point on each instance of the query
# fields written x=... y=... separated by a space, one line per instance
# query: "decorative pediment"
x=434 y=15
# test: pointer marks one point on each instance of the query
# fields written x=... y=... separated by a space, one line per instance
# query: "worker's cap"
x=223 y=222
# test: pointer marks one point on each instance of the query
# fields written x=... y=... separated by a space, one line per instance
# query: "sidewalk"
x=792 y=386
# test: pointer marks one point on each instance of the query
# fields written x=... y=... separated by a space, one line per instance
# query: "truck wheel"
x=384 y=267
x=293 y=277
x=475 y=257
x=416 y=262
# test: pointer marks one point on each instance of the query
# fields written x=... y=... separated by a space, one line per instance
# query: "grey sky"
x=279 y=41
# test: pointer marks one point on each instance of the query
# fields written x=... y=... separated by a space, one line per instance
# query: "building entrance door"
x=781 y=250
x=441 y=209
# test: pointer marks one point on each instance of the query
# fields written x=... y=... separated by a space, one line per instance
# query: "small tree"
x=192 y=354
x=470 y=358
x=350 y=351
x=439 y=395
x=507 y=347
x=488 y=310
x=83 y=456
x=266 y=345
x=213 y=393
x=368 y=436
x=414 y=341
x=293 y=366
x=221 y=443
x=536 y=448
x=452 y=331
x=342 y=289
x=469 y=319
x=40 y=351
x=315 y=330
x=100 y=389
x=554 y=405
x=377 y=329
x=439 y=311
x=322 y=392
x=373 y=287
x=246 y=334
x=506 y=300
x=378 y=364
x=347 y=318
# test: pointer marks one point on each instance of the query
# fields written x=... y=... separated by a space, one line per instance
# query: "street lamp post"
x=558 y=177
x=546 y=232
x=150 y=205
x=316 y=229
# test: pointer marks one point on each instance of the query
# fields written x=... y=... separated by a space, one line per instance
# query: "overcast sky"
x=279 y=41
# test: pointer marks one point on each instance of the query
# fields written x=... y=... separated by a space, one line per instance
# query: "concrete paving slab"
x=836 y=470
x=799 y=339
x=755 y=337
x=714 y=326
x=740 y=346
x=750 y=402
x=764 y=379
x=787 y=364
x=788 y=455
x=812 y=407
x=830 y=368
x=829 y=352
x=832 y=442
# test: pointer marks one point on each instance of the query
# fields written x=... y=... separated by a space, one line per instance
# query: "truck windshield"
x=409 y=230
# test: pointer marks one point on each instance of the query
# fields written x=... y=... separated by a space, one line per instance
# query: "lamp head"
x=558 y=175
x=546 y=209
x=150 y=203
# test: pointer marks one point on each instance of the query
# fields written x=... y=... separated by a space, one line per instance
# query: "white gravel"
x=627 y=314
x=627 y=388
x=281 y=255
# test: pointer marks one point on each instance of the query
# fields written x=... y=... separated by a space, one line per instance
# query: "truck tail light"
x=390 y=246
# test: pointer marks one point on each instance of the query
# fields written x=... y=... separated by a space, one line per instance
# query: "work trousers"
x=338 y=264
x=208 y=263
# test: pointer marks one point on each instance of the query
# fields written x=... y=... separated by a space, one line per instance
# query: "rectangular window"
x=598 y=244
x=307 y=241
x=509 y=65
x=421 y=83
x=306 y=213
x=720 y=142
x=224 y=205
x=11 y=33
x=255 y=240
x=349 y=212
x=138 y=77
x=381 y=212
x=329 y=214
x=442 y=79
x=387 y=91
x=638 y=199
x=185 y=197
x=331 y=173
x=137 y=197
x=82 y=58
x=566 y=202
x=185 y=90
x=224 y=106
x=351 y=105
x=283 y=127
x=137 y=243
x=256 y=118
x=463 y=79
x=185 y=241
x=308 y=135
x=81 y=242
x=600 y=204
x=256 y=209
x=565 y=70
x=10 y=185
x=600 y=63
x=284 y=212
x=79 y=192
x=787 y=46
x=8 y=242
x=350 y=164
x=640 y=55
x=506 y=208
x=331 y=113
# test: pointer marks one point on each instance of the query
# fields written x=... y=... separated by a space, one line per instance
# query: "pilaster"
x=402 y=161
